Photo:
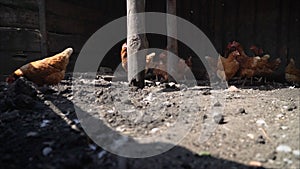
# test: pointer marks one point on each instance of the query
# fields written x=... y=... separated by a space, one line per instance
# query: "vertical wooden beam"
x=42 y=24
x=172 y=44
x=223 y=27
x=218 y=25
x=279 y=28
x=136 y=42
x=237 y=14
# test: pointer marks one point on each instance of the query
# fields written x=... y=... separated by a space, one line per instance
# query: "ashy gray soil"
x=255 y=127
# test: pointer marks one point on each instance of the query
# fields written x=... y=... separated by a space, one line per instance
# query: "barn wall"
x=272 y=24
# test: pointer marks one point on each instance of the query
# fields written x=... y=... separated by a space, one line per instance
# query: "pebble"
x=219 y=118
x=288 y=161
x=76 y=121
x=154 y=130
x=101 y=154
x=92 y=147
x=233 y=89
x=217 y=104
x=283 y=148
x=251 y=136
x=284 y=127
x=241 y=111
x=296 y=153
x=280 y=116
x=32 y=134
x=261 y=122
x=207 y=92
x=261 y=140
x=255 y=163
x=260 y=158
x=45 y=123
x=167 y=104
x=47 y=151
x=290 y=107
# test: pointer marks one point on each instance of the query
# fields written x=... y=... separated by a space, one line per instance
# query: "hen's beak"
x=69 y=51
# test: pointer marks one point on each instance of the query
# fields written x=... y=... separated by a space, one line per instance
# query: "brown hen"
x=228 y=67
x=48 y=71
x=247 y=64
x=292 y=73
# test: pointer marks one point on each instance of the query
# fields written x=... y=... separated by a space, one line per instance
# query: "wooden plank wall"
x=273 y=25
x=68 y=23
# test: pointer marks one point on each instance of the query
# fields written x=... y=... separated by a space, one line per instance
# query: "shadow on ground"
x=39 y=129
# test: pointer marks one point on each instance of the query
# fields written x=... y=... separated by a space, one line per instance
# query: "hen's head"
x=163 y=57
x=253 y=47
x=292 y=61
x=235 y=53
x=124 y=46
x=256 y=50
x=66 y=53
x=188 y=62
x=124 y=50
x=235 y=44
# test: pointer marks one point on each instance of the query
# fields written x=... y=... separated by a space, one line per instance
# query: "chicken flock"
x=236 y=63
x=239 y=64
x=158 y=66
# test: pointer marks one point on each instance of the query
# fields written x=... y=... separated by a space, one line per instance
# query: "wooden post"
x=172 y=45
x=136 y=42
x=42 y=24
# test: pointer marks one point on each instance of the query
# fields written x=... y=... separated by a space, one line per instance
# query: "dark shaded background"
x=272 y=24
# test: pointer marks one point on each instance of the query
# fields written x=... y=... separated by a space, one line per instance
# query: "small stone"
x=296 y=153
x=241 y=111
x=32 y=134
x=101 y=154
x=260 y=158
x=217 y=104
x=251 y=136
x=233 y=89
x=45 y=123
x=93 y=147
x=288 y=161
x=261 y=122
x=127 y=101
x=280 y=116
x=76 y=121
x=196 y=143
x=272 y=156
x=47 y=151
x=219 y=118
x=255 y=163
x=154 y=130
x=290 y=107
x=261 y=140
x=284 y=127
x=207 y=92
x=167 y=104
x=283 y=148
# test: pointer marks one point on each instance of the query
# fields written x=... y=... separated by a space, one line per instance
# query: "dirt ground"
x=258 y=128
